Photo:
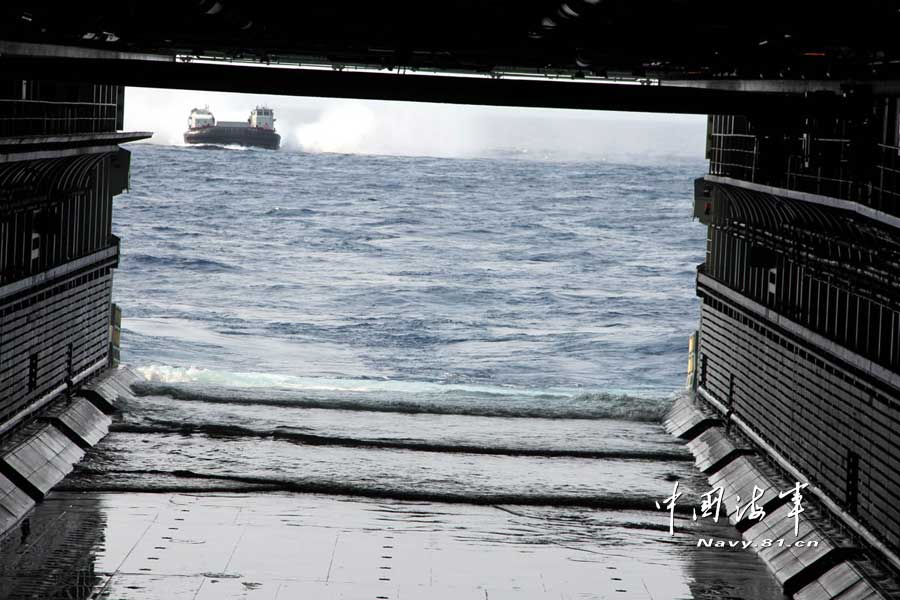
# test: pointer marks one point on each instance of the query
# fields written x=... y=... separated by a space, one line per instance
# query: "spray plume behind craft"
x=440 y=130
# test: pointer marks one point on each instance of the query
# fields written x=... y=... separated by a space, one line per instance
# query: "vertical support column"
x=692 y=362
x=120 y=107
x=115 y=334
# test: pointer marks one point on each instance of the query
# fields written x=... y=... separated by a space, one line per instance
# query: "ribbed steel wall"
x=816 y=410
x=800 y=320
x=57 y=250
x=52 y=334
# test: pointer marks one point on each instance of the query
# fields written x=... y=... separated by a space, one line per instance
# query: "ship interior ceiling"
x=776 y=40
x=780 y=46
x=800 y=283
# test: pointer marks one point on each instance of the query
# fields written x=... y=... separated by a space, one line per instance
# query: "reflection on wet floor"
x=279 y=546
x=52 y=553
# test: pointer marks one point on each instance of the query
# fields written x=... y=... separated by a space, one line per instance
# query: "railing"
x=831 y=298
x=43 y=117
x=734 y=155
x=816 y=180
x=835 y=167
x=886 y=184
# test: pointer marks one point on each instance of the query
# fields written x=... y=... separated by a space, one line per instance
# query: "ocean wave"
x=287 y=434
x=627 y=407
x=293 y=435
x=228 y=147
x=196 y=264
x=279 y=211
x=151 y=480
x=393 y=396
x=588 y=406
x=164 y=374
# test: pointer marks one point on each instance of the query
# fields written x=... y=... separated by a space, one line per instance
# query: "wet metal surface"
x=278 y=546
x=83 y=421
x=43 y=459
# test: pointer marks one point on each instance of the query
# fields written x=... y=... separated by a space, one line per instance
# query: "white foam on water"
x=173 y=374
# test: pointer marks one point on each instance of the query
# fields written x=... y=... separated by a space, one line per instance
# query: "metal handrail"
x=60 y=102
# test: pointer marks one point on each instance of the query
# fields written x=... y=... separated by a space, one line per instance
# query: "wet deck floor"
x=284 y=546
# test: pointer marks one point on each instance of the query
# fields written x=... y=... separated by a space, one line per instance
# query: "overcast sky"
x=419 y=129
